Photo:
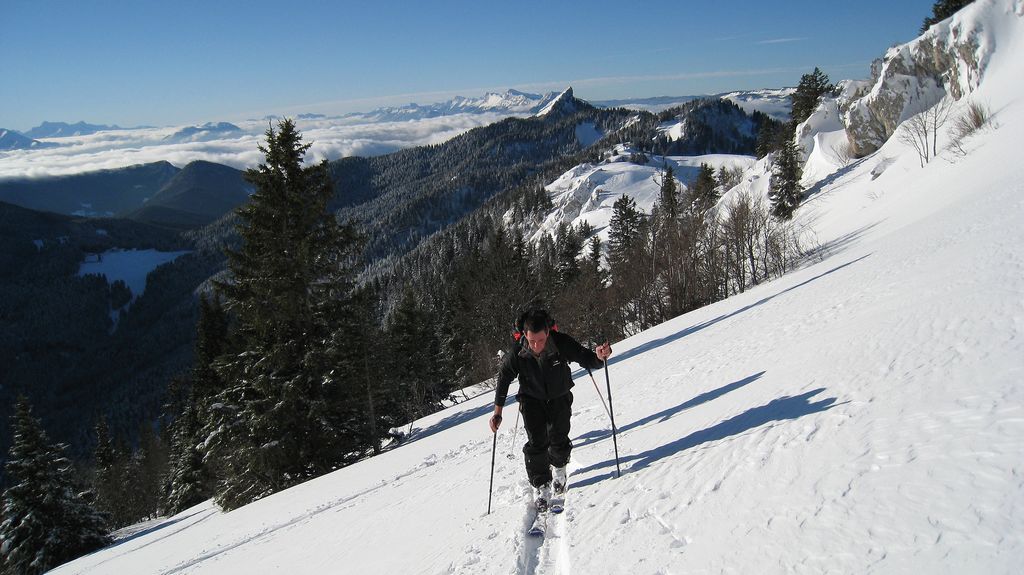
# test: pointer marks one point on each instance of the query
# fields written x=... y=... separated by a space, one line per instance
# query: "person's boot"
x=559 y=479
x=542 y=497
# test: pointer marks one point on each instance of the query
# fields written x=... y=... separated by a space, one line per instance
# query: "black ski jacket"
x=547 y=376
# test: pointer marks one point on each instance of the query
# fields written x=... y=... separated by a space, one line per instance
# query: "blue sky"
x=165 y=63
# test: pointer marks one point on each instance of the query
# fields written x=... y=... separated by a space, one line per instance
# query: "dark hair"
x=535 y=320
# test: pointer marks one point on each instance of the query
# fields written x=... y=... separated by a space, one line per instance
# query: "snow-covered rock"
x=951 y=57
x=823 y=141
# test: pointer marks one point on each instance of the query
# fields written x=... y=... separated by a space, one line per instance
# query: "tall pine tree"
x=44 y=520
x=282 y=416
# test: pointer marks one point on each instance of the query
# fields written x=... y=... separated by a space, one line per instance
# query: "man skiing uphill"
x=541 y=361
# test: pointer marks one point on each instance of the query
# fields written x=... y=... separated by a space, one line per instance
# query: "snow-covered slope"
x=864 y=413
x=588 y=192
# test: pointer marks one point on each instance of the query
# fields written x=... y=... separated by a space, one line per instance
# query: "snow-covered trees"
x=190 y=477
x=44 y=520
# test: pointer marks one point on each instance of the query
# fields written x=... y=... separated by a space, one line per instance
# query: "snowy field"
x=863 y=414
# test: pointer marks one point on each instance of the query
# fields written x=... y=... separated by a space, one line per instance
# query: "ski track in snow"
x=340 y=503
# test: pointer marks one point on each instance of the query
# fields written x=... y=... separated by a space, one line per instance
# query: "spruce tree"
x=668 y=197
x=361 y=353
x=568 y=244
x=211 y=341
x=108 y=476
x=704 y=193
x=188 y=479
x=785 y=191
x=625 y=230
x=414 y=349
x=587 y=298
x=44 y=520
x=808 y=94
x=770 y=136
x=282 y=417
x=632 y=268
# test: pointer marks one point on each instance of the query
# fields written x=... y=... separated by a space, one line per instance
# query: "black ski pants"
x=547 y=434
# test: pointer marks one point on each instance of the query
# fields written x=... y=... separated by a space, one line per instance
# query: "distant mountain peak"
x=563 y=103
x=207 y=131
x=508 y=102
x=11 y=140
x=64 y=129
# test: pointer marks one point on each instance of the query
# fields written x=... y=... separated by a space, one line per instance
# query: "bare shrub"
x=921 y=131
x=757 y=247
x=976 y=117
x=842 y=152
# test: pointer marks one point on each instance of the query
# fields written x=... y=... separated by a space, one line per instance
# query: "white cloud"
x=331 y=138
x=781 y=40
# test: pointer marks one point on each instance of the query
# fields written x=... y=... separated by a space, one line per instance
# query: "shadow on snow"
x=457 y=419
x=662 y=416
x=784 y=408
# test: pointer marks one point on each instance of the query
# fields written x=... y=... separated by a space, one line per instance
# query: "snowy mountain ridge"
x=11 y=140
x=511 y=102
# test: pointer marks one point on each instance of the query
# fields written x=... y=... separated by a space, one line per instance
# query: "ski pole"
x=515 y=434
x=599 y=394
x=611 y=414
x=490 y=490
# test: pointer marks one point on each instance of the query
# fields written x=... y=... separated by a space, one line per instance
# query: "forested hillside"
x=58 y=342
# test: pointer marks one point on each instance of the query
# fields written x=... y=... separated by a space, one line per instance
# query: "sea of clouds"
x=331 y=138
